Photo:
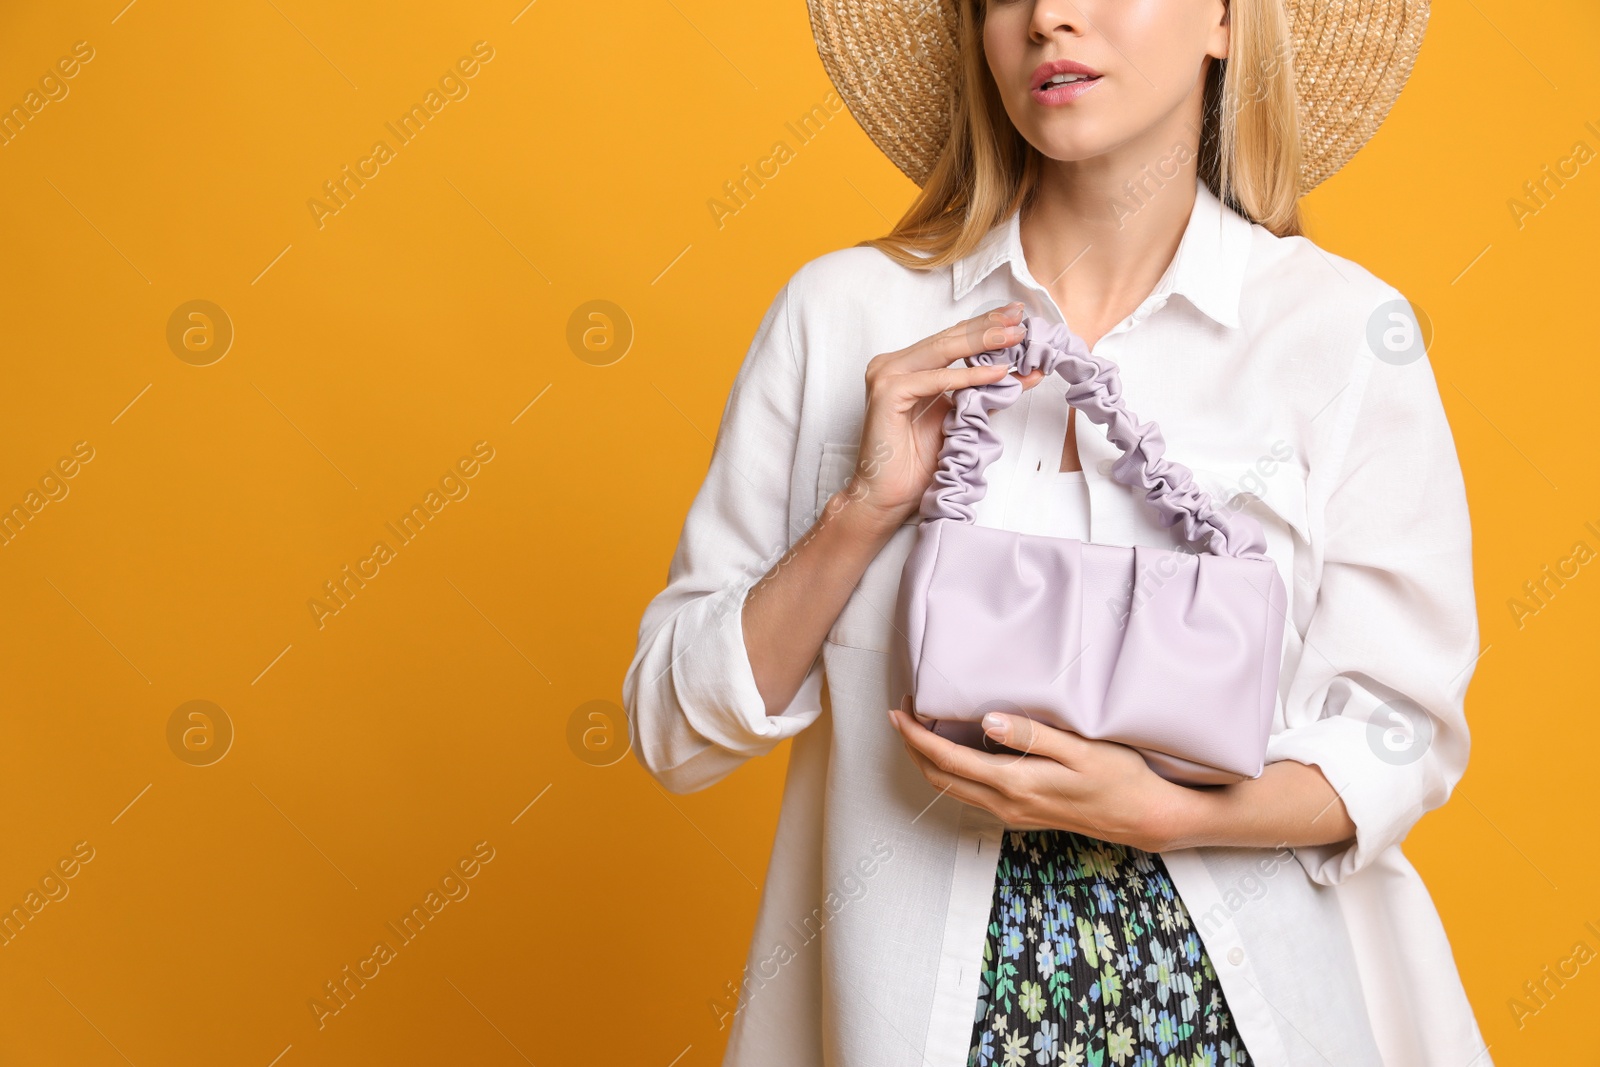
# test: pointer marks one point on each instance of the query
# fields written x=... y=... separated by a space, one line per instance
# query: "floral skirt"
x=1091 y=958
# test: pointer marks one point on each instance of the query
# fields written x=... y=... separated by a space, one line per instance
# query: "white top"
x=1277 y=371
x=1048 y=500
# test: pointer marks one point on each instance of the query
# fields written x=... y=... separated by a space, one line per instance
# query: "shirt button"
x=1105 y=465
x=1236 y=955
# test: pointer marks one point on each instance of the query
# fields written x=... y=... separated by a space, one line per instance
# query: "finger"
x=963 y=789
x=1024 y=734
x=1001 y=805
x=992 y=329
x=988 y=768
x=916 y=385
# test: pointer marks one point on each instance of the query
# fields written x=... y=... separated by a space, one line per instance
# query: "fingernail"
x=996 y=336
x=995 y=726
x=892 y=720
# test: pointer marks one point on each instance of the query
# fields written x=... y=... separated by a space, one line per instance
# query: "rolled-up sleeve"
x=1376 y=702
x=690 y=694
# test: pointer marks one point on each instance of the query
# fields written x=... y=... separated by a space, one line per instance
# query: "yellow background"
x=435 y=711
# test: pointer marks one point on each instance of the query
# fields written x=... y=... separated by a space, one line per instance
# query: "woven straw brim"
x=894 y=64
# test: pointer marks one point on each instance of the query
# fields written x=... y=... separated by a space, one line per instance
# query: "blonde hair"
x=1249 y=143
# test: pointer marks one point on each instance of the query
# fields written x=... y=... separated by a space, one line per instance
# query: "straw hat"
x=894 y=63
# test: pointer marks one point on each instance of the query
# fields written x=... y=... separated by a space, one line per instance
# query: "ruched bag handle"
x=1094 y=388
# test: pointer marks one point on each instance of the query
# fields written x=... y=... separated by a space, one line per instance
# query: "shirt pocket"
x=867 y=618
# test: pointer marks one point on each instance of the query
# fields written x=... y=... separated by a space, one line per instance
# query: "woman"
x=1132 y=169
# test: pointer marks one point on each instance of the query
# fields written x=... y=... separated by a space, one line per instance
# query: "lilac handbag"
x=1172 y=652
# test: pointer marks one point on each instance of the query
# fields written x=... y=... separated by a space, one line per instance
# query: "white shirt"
x=1047 y=499
x=1256 y=356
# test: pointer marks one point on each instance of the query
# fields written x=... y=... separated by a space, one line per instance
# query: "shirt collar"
x=1208 y=269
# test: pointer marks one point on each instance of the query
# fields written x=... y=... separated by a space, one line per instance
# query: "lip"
x=1062 y=93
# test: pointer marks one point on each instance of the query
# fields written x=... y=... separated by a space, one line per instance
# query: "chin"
x=1074 y=148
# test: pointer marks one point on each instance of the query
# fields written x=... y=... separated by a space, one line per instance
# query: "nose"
x=1055 y=16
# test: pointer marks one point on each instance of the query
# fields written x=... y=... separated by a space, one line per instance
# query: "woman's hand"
x=1067 y=782
x=1106 y=790
x=903 y=429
